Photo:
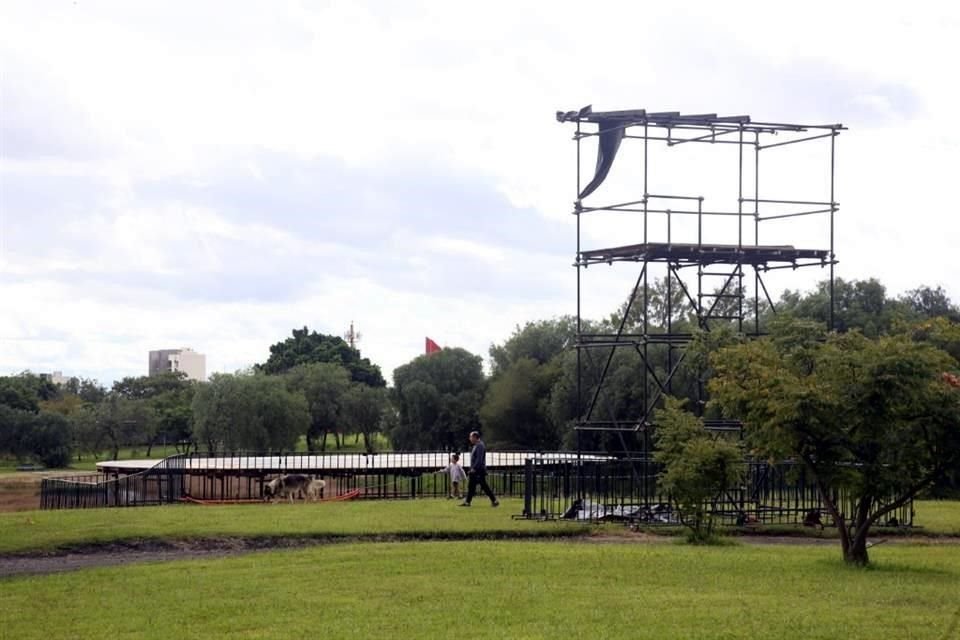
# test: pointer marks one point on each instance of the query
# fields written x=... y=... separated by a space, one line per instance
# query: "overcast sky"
x=212 y=175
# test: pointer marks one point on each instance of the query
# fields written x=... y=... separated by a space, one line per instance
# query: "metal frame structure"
x=690 y=263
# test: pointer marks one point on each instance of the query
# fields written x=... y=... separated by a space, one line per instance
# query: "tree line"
x=317 y=387
x=311 y=386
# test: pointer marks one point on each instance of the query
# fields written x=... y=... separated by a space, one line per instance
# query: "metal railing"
x=241 y=476
x=627 y=489
x=159 y=484
x=554 y=485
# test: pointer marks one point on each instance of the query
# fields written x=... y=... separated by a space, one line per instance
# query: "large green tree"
x=26 y=390
x=363 y=408
x=541 y=341
x=233 y=412
x=516 y=410
x=44 y=437
x=931 y=302
x=305 y=347
x=515 y=413
x=169 y=395
x=14 y=425
x=858 y=304
x=114 y=423
x=16 y=395
x=323 y=385
x=88 y=390
x=941 y=332
x=29 y=430
x=874 y=421
x=50 y=439
x=437 y=398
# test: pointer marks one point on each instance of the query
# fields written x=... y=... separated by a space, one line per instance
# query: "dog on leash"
x=293 y=485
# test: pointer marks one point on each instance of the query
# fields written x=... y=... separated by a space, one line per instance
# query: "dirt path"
x=106 y=555
x=135 y=552
x=72 y=561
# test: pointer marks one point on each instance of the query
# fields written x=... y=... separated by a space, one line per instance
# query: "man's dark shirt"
x=478 y=458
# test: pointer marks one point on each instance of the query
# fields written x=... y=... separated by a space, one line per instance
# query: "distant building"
x=56 y=378
x=186 y=360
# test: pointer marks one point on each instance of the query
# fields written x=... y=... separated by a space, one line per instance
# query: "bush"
x=697 y=467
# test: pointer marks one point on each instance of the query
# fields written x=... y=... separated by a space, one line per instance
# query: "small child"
x=457 y=475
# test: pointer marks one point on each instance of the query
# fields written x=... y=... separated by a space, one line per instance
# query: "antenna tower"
x=352 y=337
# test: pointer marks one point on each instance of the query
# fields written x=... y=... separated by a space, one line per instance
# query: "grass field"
x=581 y=587
x=488 y=589
x=938 y=516
x=46 y=530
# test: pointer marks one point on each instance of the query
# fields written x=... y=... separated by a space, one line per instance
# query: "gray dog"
x=292 y=485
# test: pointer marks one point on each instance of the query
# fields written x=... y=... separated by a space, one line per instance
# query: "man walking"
x=478 y=471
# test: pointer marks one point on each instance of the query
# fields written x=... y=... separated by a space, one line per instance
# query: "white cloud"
x=162 y=184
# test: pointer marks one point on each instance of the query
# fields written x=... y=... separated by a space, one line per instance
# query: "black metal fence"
x=553 y=485
x=242 y=476
x=626 y=489
x=162 y=483
x=238 y=477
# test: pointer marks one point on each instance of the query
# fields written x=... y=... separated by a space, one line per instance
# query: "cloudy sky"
x=214 y=174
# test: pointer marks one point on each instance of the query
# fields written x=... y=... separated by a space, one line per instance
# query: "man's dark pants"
x=479 y=478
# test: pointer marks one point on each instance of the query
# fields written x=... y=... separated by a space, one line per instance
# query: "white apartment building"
x=56 y=378
x=186 y=360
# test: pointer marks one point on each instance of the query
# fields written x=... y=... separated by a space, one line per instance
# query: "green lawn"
x=941 y=517
x=487 y=589
x=44 y=530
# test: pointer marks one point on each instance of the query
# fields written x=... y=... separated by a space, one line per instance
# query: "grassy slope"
x=38 y=530
x=500 y=590
x=27 y=530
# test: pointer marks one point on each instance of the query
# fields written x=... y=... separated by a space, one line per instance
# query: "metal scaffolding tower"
x=713 y=280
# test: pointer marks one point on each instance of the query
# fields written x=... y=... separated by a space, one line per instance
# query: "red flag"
x=432 y=347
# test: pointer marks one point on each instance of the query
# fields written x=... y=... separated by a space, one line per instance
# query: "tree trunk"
x=337 y=439
x=848 y=542
x=855 y=552
x=367 y=444
x=323 y=443
x=149 y=447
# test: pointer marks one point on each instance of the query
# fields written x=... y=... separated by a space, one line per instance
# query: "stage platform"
x=759 y=255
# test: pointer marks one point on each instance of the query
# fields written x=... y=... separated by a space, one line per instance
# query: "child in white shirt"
x=457 y=475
